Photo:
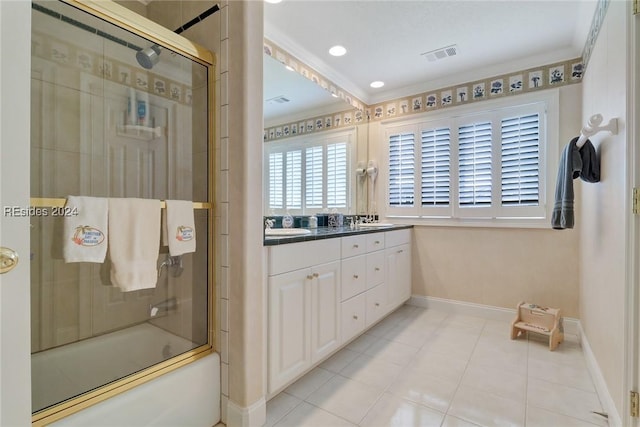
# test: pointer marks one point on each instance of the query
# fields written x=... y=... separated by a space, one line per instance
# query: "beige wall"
x=500 y=266
x=602 y=225
x=497 y=266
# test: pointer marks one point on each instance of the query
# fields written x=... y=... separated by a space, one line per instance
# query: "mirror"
x=295 y=105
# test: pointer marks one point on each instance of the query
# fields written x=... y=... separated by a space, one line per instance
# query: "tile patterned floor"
x=423 y=367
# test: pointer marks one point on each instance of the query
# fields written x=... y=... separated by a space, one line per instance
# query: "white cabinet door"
x=398 y=277
x=325 y=299
x=289 y=341
x=353 y=313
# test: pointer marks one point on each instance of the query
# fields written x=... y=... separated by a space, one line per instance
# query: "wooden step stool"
x=542 y=320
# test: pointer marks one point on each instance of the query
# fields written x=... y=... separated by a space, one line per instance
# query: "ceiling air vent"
x=278 y=100
x=443 y=52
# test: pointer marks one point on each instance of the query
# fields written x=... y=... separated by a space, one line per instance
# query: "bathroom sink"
x=286 y=232
x=375 y=225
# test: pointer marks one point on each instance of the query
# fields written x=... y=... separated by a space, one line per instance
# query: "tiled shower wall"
x=213 y=34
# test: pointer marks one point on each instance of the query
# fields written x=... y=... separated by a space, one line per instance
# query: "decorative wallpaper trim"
x=596 y=24
x=524 y=81
x=70 y=55
x=281 y=55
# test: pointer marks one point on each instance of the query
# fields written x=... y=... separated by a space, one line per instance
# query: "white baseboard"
x=571 y=326
x=251 y=416
x=598 y=380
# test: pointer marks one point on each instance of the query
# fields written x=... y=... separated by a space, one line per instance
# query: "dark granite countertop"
x=328 y=233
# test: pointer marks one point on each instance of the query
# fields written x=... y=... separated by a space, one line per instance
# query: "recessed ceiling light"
x=334 y=95
x=289 y=67
x=337 y=50
x=273 y=1
x=377 y=84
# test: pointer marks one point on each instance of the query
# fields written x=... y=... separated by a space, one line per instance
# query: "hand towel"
x=134 y=243
x=85 y=229
x=574 y=162
x=179 y=227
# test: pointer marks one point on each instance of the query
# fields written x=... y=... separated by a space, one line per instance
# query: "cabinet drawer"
x=354 y=245
x=354 y=276
x=375 y=242
x=375 y=269
x=376 y=302
x=353 y=317
x=294 y=256
x=398 y=237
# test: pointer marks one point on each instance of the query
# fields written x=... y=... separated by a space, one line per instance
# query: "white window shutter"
x=314 y=177
x=337 y=170
x=474 y=164
x=293 y=179
x=435 y=171
x=520 y=160
x=276 y=171
x=401 y=169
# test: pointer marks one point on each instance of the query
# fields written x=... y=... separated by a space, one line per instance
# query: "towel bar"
x=594 y=127
x=40 y=202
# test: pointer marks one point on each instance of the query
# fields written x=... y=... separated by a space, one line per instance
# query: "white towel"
x=134 y=243
x=85 y=229
x=179 y=227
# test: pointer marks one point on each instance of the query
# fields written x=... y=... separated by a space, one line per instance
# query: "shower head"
x=148 y=57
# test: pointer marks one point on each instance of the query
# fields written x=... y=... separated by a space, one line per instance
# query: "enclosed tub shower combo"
x=121 y=112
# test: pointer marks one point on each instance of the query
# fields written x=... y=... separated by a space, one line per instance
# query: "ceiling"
x=385 y=39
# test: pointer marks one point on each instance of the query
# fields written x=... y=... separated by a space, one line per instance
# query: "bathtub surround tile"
x=224 y=346
x=224 y=282
x=464 y=375
x=224 y=378
x=224 y=315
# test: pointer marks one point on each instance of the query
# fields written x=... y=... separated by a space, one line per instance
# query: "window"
x=309 y=174
x=475 y=166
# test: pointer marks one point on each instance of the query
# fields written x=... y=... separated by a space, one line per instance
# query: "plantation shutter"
x=474 y=165
x=435 y=167
x=275 y=180
x=293 y=180
x=337 y=175
x=520 y=159
x=313 y=185
x=401 y=169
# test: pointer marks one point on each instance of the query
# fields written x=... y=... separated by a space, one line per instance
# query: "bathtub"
x=187 y=396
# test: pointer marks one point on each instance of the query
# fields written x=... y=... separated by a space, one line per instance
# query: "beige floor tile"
x=458 y=344
x=451 y=421
x=424 y=389
x=309 y=383
x=345 y=398
x=280 y=406
x=575 y=375
x=450 y=366
x=372 y=371
x=411 y=336
x=362 y=343
x=538 y=417
x=394 y=352
x=392 y=411
x=306 y=415
x=339 y=360
x=563 y=400
x=486 y=409
x=496 y=381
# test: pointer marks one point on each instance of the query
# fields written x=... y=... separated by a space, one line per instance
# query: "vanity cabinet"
x=303 y=325
x=324 y=293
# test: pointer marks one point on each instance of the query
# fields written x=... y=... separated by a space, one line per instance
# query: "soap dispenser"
x=313 y=221
x=287 y=221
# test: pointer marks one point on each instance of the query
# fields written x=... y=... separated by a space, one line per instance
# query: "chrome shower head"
x=148 y=57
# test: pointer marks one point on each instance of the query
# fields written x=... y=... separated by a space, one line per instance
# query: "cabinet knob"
x=355 y=276
x=356 y=246
x=355 y=317
x=309 y=277
x=400 y=251
x=377 y=242
x=377 y=268
x=315 y=275
x=377 y=304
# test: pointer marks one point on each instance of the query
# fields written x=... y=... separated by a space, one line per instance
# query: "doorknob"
x=8 y=259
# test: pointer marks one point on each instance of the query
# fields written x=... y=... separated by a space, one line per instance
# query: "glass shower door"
x=103 y=125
